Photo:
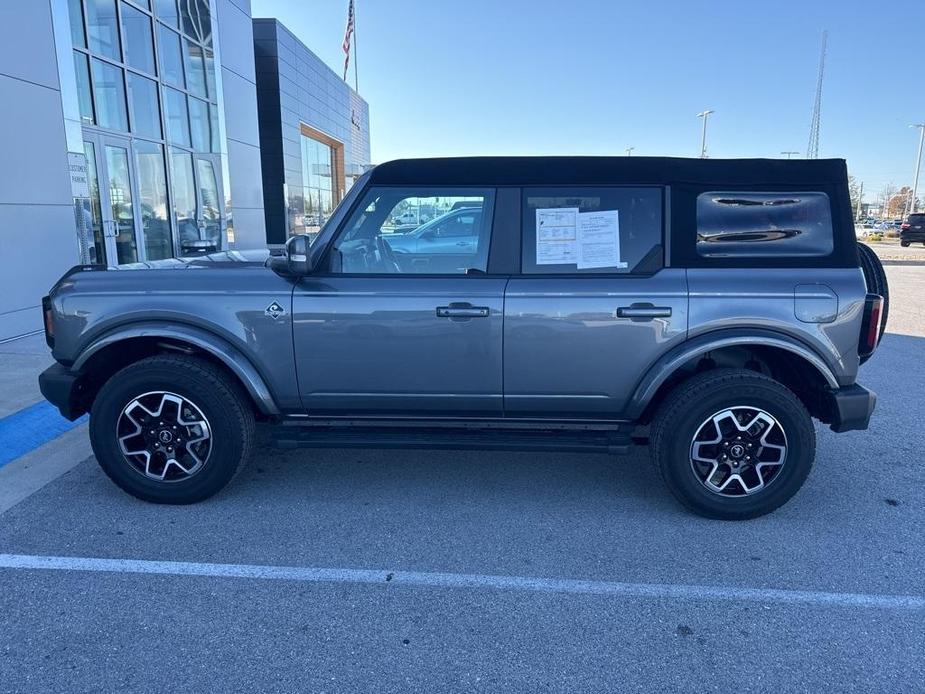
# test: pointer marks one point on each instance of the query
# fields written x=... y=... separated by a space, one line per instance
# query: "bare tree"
x=886 y=194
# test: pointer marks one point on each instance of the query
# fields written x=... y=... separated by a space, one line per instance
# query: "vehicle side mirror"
x=428 y=235
x=298 y=259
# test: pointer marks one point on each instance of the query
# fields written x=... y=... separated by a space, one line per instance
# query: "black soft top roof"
x=608 y=170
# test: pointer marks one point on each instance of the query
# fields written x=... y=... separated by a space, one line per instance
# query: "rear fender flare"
x=669 y=363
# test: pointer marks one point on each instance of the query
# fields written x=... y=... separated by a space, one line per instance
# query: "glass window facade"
x=109 y=95
x=152 y=198
x=200 y=126
x=85 y=98
x=103 y=26
x=146 y=80
x=168 y=43
x=196 y=20
x=310 y=207
x=166 y=11
x=195 y=68
x=184 y=199
x=145 y=109
x=177 y=117
x=138 y=39
x=75 y=12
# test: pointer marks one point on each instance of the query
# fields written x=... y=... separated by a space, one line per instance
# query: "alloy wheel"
x=738 y=451
x=164 y=436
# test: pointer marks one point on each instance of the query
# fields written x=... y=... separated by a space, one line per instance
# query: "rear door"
x=403 y=331
x=594 y=305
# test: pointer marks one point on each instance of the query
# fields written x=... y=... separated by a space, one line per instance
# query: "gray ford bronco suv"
x=709 y=308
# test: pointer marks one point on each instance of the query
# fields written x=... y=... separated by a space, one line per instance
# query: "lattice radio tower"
x=812 y=150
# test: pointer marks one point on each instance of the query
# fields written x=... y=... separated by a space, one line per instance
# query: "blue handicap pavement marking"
x=31 y=427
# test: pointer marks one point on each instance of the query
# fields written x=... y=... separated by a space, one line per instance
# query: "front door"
x=385 y=332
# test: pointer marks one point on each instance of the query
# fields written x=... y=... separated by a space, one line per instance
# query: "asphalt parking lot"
x=332 y=571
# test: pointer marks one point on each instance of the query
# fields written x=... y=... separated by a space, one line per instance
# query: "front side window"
x=592 y=230
x=415 y=231
x=739 y=224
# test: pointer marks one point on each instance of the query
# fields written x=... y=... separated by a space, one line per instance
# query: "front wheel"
x=171 y=429
x=905 y=244
x=732 y=444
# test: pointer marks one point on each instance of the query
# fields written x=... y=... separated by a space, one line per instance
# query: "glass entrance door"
x=112 y=202
x=198 y=203
x=99 y=252
x=129 y=207
x=210 y=205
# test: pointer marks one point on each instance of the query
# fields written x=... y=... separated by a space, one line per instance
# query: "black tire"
x=692 y=404
x=905 y=244
x=875 y=277
x=221 y=401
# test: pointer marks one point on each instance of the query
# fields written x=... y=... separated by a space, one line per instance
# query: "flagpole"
x=356 y=72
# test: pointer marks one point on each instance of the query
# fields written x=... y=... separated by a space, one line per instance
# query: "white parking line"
x=524 y=584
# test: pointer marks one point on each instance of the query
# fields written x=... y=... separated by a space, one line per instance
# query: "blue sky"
x=596 y=76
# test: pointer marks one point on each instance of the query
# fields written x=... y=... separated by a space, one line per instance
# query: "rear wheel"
x=171 y=429
x=732 y=444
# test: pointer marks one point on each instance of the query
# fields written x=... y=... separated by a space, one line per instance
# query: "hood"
x=225 y=260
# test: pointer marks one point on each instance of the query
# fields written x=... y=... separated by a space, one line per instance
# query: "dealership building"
x=138 y=130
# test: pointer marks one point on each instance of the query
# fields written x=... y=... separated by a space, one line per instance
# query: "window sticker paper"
x=556 y=236
x=599 y=240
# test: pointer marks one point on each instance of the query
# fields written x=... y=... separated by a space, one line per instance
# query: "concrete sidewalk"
x=21 y=362
x=40 y=444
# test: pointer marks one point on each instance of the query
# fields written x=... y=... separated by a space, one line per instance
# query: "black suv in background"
x=913 y=229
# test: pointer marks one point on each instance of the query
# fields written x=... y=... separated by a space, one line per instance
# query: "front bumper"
x=62 y=389
x=851 y=408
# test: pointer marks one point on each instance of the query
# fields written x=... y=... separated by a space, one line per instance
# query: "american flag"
x=347 y=35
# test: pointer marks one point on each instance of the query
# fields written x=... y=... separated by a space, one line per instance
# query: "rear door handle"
x=643 y=312
x=461 y=310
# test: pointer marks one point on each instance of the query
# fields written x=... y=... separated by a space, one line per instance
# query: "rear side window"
x=741 y=224
x=592 y=230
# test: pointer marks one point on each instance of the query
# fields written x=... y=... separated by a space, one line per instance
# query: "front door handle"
x=642 y=312
x=463 y=310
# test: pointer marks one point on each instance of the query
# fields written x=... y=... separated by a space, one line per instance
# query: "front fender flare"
x=219 y=348
x=664 y=367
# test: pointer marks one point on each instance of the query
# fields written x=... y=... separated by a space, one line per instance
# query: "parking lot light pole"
x=789 y=153
x=629 y=151
x=918 y=166
x=703 y=135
